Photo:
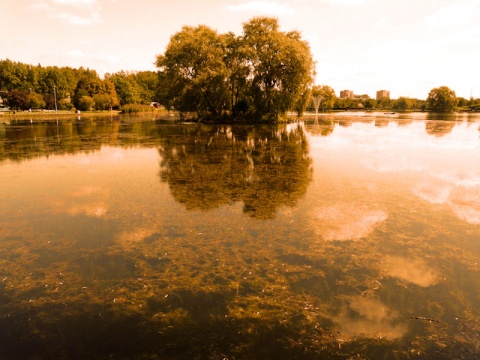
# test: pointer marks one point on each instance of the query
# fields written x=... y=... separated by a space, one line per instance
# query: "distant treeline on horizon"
x=25 y=86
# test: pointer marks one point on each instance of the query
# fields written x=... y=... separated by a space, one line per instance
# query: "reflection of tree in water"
x=320 y=127
x=264 y=167
x=439 y=128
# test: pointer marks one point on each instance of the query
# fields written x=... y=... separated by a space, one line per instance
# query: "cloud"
x=74 y=19
x=366 y=316
x=263 y=7
x=410 y=269
x=345 y=221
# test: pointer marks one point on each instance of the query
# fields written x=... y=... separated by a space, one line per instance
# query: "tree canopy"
x=323 y=97
x=32 y=87
x=261 y=74
x=442 y=99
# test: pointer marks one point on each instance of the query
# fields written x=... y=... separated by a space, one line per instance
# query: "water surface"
x=336 y=237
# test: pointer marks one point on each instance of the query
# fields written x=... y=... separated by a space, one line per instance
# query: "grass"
x=139 y=108
x=49 y=114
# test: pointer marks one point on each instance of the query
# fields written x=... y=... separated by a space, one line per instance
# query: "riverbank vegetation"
x=30 y=87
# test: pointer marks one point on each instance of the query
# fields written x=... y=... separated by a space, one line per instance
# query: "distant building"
x=383 y=94
x=346 y=94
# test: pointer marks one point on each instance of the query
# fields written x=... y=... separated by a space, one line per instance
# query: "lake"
x=347 y=236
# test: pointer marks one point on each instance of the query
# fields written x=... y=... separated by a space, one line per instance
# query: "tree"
x=104 y=101
x=91 y=85
x=193 y=72
x=442 y=99
x=325 y=95
x=148 y=83
x=85 y=103
x=369 y=103
x=17 y=100
x=263 y=73
x=127 y=88
x=281 y=67
x=36 y=101
x=384 y=104
x=403 y=104
x=237 y=74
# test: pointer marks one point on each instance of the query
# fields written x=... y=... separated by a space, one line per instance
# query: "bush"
x=136 y=108
x=85 y=103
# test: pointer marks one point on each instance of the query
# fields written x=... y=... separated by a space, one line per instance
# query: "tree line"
x=25 y=86
x=439 y=99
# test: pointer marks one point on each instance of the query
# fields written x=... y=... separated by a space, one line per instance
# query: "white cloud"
x=73 y=19
x=263 y=7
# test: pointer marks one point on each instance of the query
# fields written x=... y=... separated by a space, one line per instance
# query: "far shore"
x=8 y=116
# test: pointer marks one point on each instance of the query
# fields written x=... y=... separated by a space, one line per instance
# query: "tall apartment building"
x=383 y=94
x=346 y=94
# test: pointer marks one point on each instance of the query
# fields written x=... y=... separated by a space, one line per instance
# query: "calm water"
x=343 y=237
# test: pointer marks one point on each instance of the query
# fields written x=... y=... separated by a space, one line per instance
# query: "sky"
x=405 y=46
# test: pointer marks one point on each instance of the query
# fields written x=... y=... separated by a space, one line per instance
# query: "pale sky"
x=405 y=46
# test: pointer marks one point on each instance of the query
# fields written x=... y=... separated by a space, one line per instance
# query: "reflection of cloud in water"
x=463 y=200
x=467 y=207
x=432 y=193
x=469 y=180
x=412 y=270
x=92 y=210
x=346 y=221
x=370 y=317
x=135 y=235
x=87 y=200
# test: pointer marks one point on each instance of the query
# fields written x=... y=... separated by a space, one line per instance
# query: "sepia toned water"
x=350 y=236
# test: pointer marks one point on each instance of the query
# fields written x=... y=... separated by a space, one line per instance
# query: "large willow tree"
x=261 y=74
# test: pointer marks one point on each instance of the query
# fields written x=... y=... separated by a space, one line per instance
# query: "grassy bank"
x=48 y=115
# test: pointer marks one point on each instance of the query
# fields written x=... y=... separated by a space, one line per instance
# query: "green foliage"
x=127 y=88
x=345 y=103
x=43 y=80
x=148 y=83
x=193 y=72
x=263 y=73
x=369 y=103
x=324 y=97
x=136 y=108
x=385 y=104
x=17 y=100
x=85 y=103
x=281 y=66
x=442 y=99
x=403 y=104
x=93 y=87
x=35 y=101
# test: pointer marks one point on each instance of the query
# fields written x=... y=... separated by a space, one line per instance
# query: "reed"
x=137 y=108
